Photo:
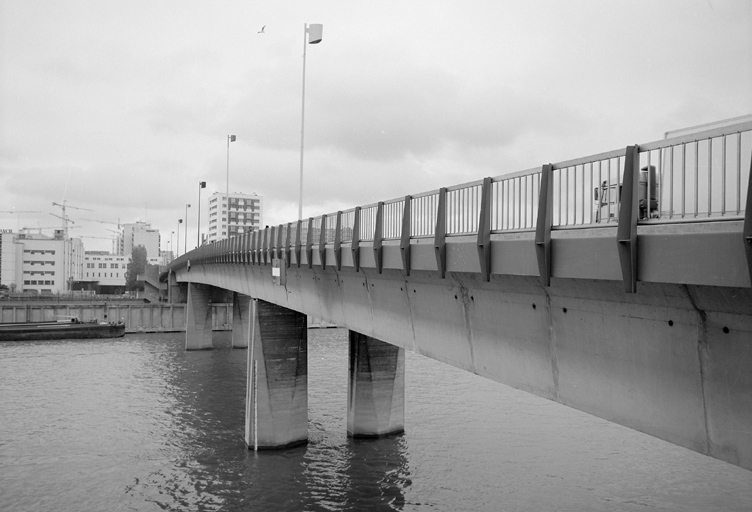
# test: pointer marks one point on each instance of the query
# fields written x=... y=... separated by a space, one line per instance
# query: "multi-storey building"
x=243 y=213
x=7 y=257
x=139 y=233
x=104 y=273
x=37 y=263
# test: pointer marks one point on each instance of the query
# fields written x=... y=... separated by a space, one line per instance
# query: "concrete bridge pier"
x=241 y=320
x=376 y=391
x=198 y=323
x=277 y=390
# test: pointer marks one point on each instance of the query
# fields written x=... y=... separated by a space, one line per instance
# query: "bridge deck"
x=639 y=312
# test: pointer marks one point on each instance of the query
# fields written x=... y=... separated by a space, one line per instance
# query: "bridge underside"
x=673 y=361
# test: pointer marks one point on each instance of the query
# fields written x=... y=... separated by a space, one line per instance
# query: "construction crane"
x=106 y=222
x=65 y=217
x=114 y=238
x=18 y=227
x=40 y=228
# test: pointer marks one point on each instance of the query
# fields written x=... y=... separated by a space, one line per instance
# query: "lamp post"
x=230 y=138
x=185 y=242
x=180 y=221
x=172 y=245
x=314 y=32
x=201 y=184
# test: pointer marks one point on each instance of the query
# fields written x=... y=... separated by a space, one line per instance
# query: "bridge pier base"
x=277 y=390
x=376 y=391
x=198 y=322
x=241 y=320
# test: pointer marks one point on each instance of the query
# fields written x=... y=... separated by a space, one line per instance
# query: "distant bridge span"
x=635 y=306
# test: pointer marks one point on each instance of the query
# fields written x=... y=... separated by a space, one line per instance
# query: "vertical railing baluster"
x=697 y=177
x=739 y=172
x=723 y=176
x=710 y=175
x=671 y=185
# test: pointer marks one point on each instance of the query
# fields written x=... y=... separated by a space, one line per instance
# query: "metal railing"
x=704 y=175
x=698 y=176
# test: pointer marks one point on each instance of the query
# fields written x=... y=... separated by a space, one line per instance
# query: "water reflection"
x=139 y=424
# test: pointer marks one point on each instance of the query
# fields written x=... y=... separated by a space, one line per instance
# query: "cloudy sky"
x=121 y=108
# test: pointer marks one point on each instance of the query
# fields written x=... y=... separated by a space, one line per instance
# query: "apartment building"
x=242 y=213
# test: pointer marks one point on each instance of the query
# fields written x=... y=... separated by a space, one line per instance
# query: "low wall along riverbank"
x=137 y=317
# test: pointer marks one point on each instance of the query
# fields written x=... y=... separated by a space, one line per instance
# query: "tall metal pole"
x=201 y=184
x=180 y=221
x=302 y=127
x=230 y=138
x=185 y=242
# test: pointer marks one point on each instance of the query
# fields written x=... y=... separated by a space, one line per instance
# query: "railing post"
x=272 y=240
x=309 y=243
x=322 y=242
x=254 y=245
x=287 y=245
x=626 y=234
x=543 y=224
x=338 y=242
x=280 y=247
x=265 y=245
x=439 y=239
x=747 y=230
x=355 y=246
x=247 y=247
x=297 y=242
x=484 y=230
x=405 y=235
x=378 y=237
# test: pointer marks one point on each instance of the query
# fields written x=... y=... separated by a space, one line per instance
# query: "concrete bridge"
x=618 y=284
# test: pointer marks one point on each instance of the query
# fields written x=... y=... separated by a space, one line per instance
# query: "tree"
x=136 y=266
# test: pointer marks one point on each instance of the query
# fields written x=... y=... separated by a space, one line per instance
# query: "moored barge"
x=60 y=330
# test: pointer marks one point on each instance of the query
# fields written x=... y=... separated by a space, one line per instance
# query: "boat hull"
x=59 y=331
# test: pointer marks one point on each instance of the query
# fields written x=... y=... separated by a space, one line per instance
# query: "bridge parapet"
x=648 y=191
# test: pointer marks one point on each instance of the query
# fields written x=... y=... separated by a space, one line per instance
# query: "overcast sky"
x=123 y=107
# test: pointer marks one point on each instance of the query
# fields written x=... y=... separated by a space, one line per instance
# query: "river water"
x=139 y=424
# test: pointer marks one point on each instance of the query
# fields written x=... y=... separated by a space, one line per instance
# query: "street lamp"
x=230 y=138
x=201 y=184
x=180 y=221
x=314 y=32
x=172 y=245
x=185 y=242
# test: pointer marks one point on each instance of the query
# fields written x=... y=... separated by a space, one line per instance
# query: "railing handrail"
x=513 y=207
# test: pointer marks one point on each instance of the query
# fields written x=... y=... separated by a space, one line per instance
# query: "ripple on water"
x=139 y=424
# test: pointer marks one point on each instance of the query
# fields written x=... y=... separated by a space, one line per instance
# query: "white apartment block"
x=243 y=214
x=37 y=263
x=139 y=233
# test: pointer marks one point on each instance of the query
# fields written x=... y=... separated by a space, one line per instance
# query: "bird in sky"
x=262 y=30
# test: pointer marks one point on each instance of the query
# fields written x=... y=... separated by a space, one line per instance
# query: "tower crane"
x=18 y=227
x=114 y=238
x=63 y=206
x=105 y=222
